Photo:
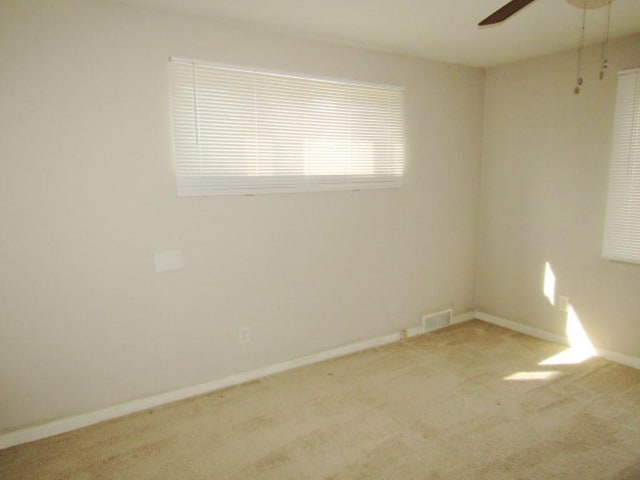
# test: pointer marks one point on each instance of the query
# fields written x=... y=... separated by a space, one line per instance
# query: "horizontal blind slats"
x=622 y=228
x=241 y=131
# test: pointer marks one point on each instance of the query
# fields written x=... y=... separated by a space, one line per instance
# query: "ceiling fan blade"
x=505 y=12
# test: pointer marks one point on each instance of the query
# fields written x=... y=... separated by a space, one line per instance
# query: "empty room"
x=338 y=239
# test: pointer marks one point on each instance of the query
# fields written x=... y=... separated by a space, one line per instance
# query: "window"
x=622 y=231
x=245 y=131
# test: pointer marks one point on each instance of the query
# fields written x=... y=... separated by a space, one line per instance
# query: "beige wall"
x=544 y=186
x=87 y=195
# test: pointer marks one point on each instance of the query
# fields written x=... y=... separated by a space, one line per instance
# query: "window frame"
x=622 y=222
x=198 y=185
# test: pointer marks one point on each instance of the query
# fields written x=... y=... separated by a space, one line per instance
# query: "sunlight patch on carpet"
x=524 y=376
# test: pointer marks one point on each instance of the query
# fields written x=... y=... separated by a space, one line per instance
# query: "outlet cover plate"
x=563 y=303
x=244 y=335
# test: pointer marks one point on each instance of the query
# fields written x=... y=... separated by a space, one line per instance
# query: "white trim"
x=411 y=332
x=628 y=71
x=463 y=317
x=68 y=424
x=360 y=127
x=622 y=358
x=332 y=187
x=617 y=357
x=519 y=327
x=245 y=68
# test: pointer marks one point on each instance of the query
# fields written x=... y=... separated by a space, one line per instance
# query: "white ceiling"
x=435 y=29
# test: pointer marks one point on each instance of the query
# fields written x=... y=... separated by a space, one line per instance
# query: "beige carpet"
x=437 y=406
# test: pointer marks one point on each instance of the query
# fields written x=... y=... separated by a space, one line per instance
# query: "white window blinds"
x=622 y=230
x=245 y=131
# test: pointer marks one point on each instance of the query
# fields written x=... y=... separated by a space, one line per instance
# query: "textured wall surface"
x=87 y=195
x=545 y=171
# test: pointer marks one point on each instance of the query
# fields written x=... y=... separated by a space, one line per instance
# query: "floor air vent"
x=434 y=321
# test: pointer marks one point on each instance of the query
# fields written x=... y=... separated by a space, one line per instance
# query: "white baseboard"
x=68 y=424
x=555 y=338
x=420 y=330
x=619 y=357
x=63 y=425
x=519 y=327
x=463 y=317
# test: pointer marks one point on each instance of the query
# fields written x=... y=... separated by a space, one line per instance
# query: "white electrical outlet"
x=563 y=303
x=244 y=335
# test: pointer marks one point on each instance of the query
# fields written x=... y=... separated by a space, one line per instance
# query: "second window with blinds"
x=622 y=227
x=244 y=131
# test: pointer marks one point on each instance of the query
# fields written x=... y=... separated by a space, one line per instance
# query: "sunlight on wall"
x=578 y=338
x=549 y=285
x=581 y=347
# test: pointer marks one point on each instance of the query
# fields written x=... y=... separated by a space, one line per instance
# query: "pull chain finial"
x=604 y=62
x=579 y=79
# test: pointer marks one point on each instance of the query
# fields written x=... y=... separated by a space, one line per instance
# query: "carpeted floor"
x=467 y=402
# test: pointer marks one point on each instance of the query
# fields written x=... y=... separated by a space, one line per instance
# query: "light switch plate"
x=167 y=261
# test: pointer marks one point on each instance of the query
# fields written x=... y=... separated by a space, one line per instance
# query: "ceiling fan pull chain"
x=604 y=64
x=579 y=79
